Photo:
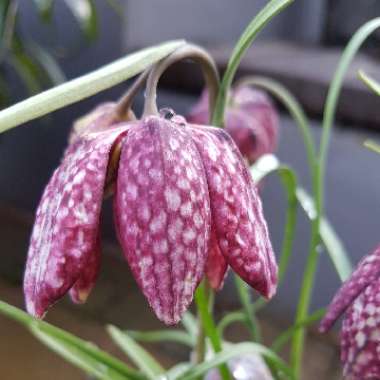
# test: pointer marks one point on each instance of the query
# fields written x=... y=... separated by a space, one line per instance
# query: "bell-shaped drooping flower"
x=181 y=191
x=250 y=119
x=359 y=299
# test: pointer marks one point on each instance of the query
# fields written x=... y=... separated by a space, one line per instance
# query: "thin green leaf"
x=330 y=239
x=77 y=357
x=336 y=85
x=372 y=145
x=280 y=342
x=265 y=166
x=233 y=351
x=118 y=8
x=85 y=13
x=257 y=24
x=177 y=371
x=27 y=71
x=148 y=365
x=228 y=319
x=189 y=322
x=201 y=299
x=48 y=63
x=70 y=342
x=175 y=336
x=244 y=295
x=45 y=9
x=371 y=83
x=84 y=86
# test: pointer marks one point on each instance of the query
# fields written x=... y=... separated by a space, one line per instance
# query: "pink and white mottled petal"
x=237 y=214
x=67 y=221
x=88 y=276
x=163 y=214
x=360 y=336
x=367 y=271
x=216 y=265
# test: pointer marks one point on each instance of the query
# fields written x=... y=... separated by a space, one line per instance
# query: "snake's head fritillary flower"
x=177 y=185
x=359 y=299
x=250 y=119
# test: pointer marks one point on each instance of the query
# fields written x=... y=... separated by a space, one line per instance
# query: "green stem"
x=202 y=299
x=249 y=311
x=249 y=35
x=318 y=186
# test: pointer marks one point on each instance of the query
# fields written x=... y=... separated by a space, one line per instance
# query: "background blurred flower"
x=250 y=119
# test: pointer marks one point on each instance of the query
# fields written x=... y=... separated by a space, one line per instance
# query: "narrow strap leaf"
x=84 y=86
x=287 y=335
x=142 y=358
x=330 y=239
x=173 y=335
x=69 y=342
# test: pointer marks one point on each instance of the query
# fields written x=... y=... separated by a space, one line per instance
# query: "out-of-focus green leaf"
x=27 y=70
x=48 y=63
x=372 y=145
x=244 y=294
x=189 y=322
x=235 y=316
x=84 y=86
x=142 y=358
x=176 y=336
x=287 y=335
x=83 y=354
x=371 y=83
x=271 y=9
x=85 y=13
x=45 y=9
x=233 y=351
x=265 y=166
x=330 y=239
x=4 y=92
x=4 y=4
x=177 y=371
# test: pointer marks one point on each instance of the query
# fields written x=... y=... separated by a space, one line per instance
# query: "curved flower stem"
x=188 y=51
x=124 y=104
x=318 y=184
x=202 y=299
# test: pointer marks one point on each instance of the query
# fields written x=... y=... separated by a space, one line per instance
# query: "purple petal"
x=88 y=275
x=67 y=221
x=216 y=265
x=163 y=214
x=237 y=214
x=360 y=336
x=367 y=271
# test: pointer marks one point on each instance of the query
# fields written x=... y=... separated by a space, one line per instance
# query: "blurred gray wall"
x=217 y=21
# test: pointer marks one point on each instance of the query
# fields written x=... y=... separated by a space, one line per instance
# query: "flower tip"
x=34 y=311
x=79 y=296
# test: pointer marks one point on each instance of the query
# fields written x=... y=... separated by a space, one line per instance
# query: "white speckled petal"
x=66 y=227
x=162 y=214
x=237 y=214
x=360 y=336
x=367 y=271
